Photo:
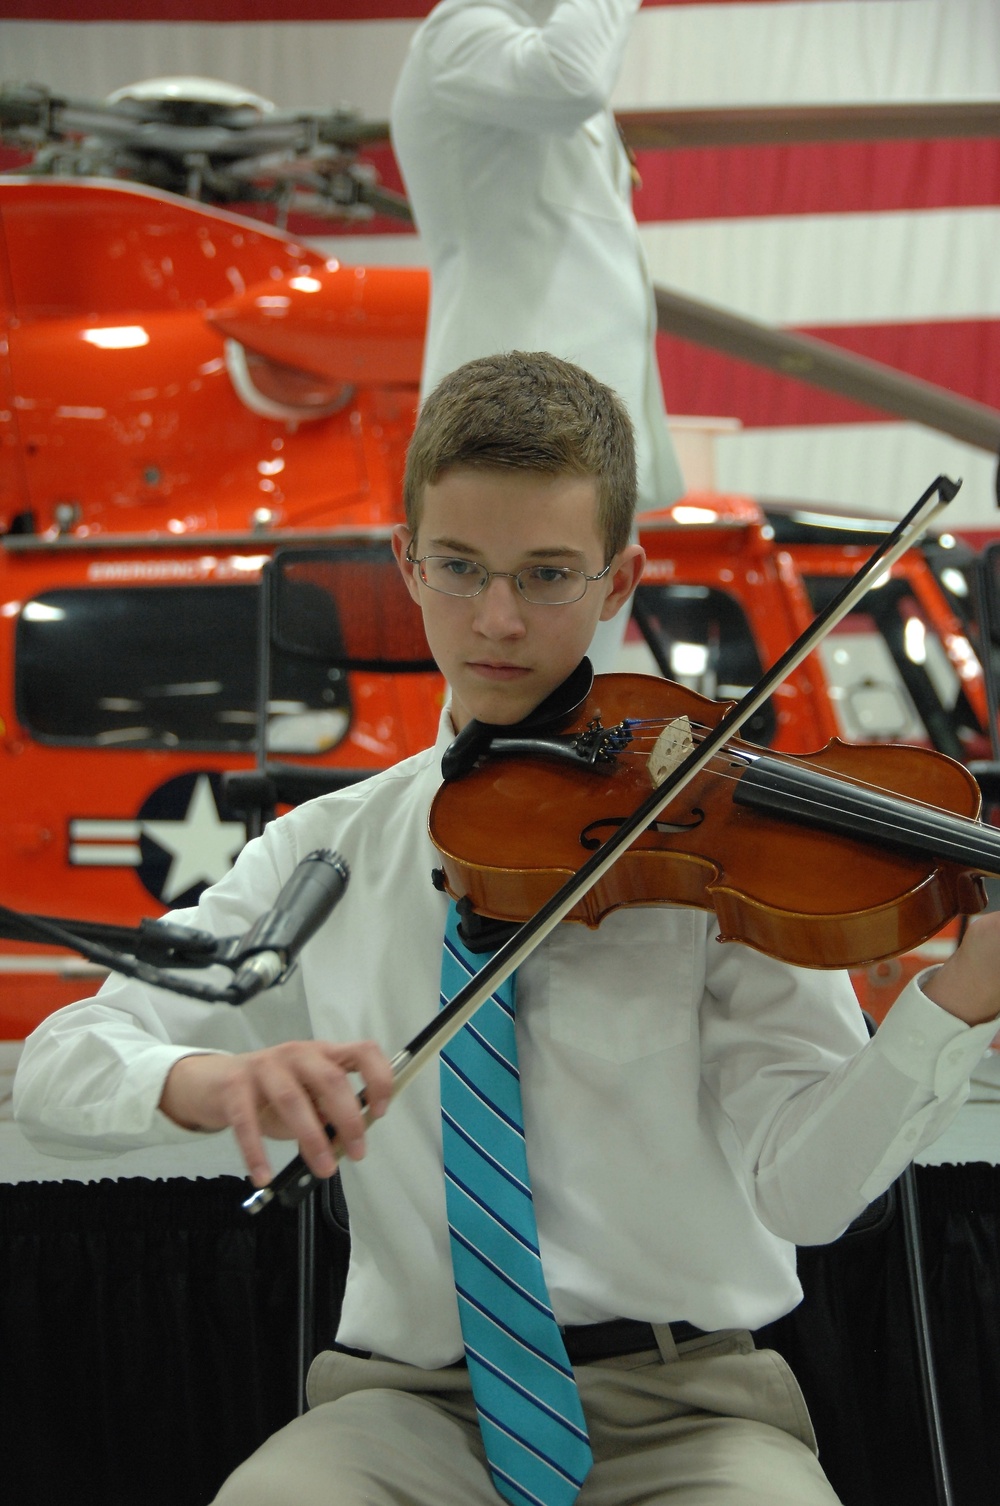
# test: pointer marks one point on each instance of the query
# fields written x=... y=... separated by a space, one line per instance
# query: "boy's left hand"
x=968 y=984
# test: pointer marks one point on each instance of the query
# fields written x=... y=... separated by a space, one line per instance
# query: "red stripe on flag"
x=752 y=182
x=711 y=183
x=758 y=182
x=961 y=355
x=255 y=10
x=217 y=10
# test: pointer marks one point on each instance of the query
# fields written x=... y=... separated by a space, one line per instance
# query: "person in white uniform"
x=691 y=1110
x=522 y=192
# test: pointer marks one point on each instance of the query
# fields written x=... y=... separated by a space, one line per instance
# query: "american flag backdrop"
x=889 y=248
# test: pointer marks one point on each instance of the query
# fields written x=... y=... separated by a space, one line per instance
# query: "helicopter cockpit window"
x=890 y=677
x=700 y=638
x=166 y=667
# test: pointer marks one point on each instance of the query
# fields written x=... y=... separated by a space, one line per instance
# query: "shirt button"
x=916 y=1039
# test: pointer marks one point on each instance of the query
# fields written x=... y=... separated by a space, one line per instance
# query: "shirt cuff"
x=930 y=1046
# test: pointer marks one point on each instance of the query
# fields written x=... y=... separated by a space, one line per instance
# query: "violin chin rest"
x=558 y=708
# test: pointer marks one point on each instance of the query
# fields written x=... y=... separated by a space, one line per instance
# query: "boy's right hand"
x=287 y=1092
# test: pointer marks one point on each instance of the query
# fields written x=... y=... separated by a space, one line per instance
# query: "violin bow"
x=295 y=1181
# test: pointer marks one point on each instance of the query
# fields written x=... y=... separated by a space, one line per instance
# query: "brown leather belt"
x=586 y=1342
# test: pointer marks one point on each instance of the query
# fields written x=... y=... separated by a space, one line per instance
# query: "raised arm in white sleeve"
x=527 y=67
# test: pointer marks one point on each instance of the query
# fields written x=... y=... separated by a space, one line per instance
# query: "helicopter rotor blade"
x=345 y=129
x=807 y=359
x=790 y=125
x=387 y=202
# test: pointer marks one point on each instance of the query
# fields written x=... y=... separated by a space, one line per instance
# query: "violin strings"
x=701 y=729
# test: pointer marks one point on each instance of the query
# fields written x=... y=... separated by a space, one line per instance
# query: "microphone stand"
x=127 y=950
x=261 y=957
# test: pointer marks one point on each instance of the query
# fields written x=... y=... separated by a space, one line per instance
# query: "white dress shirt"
x=522 y=192
x=692 y=1109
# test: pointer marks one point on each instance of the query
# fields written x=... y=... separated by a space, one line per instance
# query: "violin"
x=837 y=858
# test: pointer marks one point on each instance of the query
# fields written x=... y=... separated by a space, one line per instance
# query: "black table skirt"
x=148 y=1341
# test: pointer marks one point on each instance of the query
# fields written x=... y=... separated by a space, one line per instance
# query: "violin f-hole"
x=590 y=841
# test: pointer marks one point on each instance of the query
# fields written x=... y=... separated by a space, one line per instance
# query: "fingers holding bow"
x=291 y=1091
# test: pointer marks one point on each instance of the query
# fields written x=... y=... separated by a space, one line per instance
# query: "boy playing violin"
x=689 y=1111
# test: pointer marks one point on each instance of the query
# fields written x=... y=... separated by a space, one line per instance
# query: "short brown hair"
x=530 y=412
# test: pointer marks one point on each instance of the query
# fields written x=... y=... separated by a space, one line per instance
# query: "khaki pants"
x=718 y=1423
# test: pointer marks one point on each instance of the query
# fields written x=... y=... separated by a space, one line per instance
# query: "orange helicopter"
x=193 y=401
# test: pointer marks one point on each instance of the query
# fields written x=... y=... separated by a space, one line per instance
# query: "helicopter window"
x=700 y=638
x=166 y=667
x=347 y=604
x=889 y=675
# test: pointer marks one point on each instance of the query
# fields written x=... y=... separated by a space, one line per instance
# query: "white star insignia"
x=202 y=846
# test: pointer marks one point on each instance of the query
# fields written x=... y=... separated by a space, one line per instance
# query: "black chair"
x=324 y=1246
x=861 y=1347
x=852 y=1374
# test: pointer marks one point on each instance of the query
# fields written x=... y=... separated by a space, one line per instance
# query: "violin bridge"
x=672 y=746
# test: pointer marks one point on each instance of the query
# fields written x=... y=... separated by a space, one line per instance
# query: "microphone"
x=269 y=949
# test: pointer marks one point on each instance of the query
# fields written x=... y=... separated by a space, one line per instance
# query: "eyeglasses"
x=541 y=585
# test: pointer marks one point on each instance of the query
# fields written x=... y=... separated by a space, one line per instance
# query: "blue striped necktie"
x=529 y=1409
